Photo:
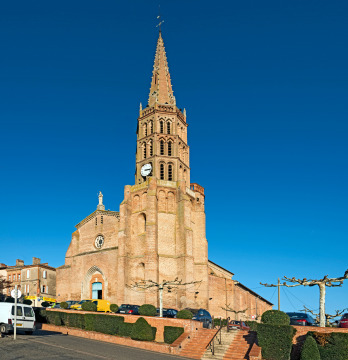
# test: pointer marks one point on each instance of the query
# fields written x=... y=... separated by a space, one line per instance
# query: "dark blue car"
x=202 y=316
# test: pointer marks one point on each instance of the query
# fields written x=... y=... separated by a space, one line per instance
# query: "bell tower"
x=162 y=150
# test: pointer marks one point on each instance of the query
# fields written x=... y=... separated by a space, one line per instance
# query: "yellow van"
x=102 y=305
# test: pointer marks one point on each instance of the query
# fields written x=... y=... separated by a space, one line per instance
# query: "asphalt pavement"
x=48 y=345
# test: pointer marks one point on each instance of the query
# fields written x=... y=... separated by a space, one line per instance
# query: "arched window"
x=145 y=129
x=168 y=127
x=161 y=127
x=162 y=171
x=170 y=172
x=169 y=148
x=150 y=148
x=151 y=127
x=161 y=147
x=144 y=150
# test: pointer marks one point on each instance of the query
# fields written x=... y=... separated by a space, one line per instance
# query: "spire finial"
x=100 y=205
x=160 y=22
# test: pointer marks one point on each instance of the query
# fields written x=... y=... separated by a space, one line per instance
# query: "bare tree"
x=165 y=284
x=328 y=317
x=322 y=283
x=229 y=309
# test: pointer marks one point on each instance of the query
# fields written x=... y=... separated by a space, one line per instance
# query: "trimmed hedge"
x=171 y=333
x=275 y=317
x=252 y=324
x=184 y=314
x=114 y=308
x=310 y=349
x=64 y=305
x=89 y=306
x=275 y=341
x=217 y=322
x=142 y=331
x=107 y=324
x=125 y=329
x=332 y=346
x=147 y=310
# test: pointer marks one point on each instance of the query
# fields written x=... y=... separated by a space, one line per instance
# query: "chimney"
x=36 y=261
x=19 y=262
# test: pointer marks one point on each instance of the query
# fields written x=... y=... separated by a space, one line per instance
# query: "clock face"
x=146 y=170
x=99 y=241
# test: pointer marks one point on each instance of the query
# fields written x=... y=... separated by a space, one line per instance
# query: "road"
x=47 y=345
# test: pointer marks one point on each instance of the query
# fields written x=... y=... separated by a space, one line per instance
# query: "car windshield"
x=297 y=315
x=83 y=301
x=28 y=312
x=124 y=306
x=345 y=316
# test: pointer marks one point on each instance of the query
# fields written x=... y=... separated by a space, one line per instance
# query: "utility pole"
x=278 y=294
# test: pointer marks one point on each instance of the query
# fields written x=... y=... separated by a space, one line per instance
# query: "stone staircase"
x=241 y=345
x=196 y=346
x=220 y=349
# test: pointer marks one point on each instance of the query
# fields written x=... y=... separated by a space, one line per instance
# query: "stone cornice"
x=98 y=212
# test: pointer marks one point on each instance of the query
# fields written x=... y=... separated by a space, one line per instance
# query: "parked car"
x=71 y=302
x=343 y=322
x=202 y=316
x=169 y=313
x=128 y=309
x=301 y=319
x=238 y=325
x=25 y=318
x=102 y=305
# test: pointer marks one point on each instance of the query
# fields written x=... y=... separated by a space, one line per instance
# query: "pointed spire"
x=161 y=91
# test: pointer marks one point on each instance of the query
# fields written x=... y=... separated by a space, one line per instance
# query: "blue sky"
x=265 y=88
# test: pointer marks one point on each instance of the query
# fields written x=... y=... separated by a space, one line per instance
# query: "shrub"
x=335 y=345
x=27 y=302
x=252 y=325
x=171 y=333
x=89 y=306
x=40 y=315
x=54 y=318
x=275 y=317
x=107 y=324
x=64 y=305
x=217 y=322
x=184 y=314
x=142 y=330
x=75 y=320
x=45 y=304
x=125 y=329
x=114 y=308
x=310 y=349
x=147 y=310
x=275 y=341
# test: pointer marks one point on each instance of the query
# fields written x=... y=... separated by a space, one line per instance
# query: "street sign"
x=253 y=316
x=13 y=293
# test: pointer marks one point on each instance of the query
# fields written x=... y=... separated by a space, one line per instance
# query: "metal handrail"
x=211 y=343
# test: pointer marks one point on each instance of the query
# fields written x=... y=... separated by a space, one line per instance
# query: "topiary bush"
x=114 y=308
x=275 y=341
x=275 y=317
x=184 y=314
x=147 y=310
x=89 y=306
x=142 y=331
x=310 y=349
x=27 y=302
x=64 y=305
x=125 y=329
x=171 y=333
x=45 y=304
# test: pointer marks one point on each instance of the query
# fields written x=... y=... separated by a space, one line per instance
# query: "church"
x=159 y=231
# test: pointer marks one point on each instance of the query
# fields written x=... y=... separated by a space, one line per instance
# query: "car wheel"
x=3 y=329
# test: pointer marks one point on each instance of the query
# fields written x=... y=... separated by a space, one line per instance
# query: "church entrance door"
x=97 y=290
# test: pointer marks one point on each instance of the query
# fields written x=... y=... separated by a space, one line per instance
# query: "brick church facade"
x=159 y=232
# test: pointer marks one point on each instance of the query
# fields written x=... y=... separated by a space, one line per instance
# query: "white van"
x=25 y=318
